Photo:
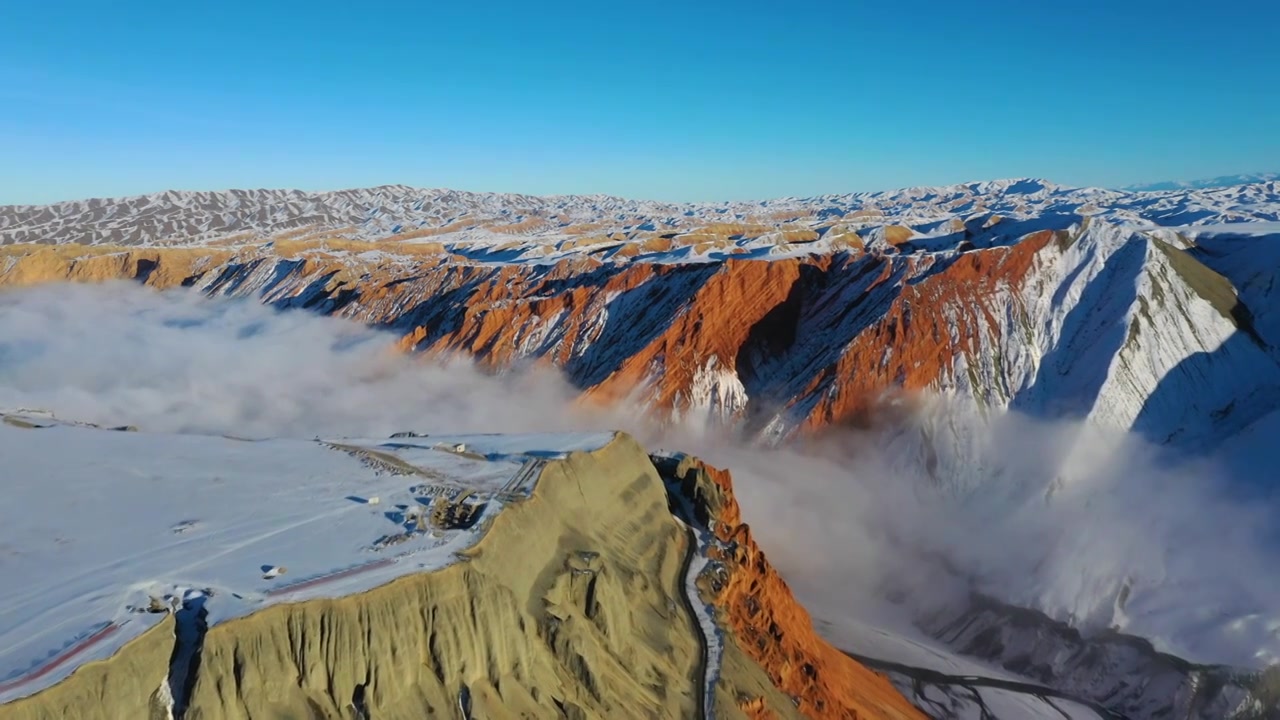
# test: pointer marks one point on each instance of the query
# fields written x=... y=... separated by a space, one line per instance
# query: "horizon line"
x=1187 y=185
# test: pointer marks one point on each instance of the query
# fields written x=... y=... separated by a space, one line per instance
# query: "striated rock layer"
x=761 y=614
x=1087 y=320
x=571 y=606
x=772 y=318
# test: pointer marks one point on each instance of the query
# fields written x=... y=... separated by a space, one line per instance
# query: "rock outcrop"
x=1084 y=319
x=776 y=318
x=570 y=606
x=761 y=614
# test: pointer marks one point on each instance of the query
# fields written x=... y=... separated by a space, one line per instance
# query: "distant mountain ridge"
x=1216 y=182
x=397 y=212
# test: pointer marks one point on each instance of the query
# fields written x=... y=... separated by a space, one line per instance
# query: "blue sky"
x=671 y=100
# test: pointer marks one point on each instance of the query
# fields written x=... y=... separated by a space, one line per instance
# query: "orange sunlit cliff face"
x=774 y=346
x=757 y=608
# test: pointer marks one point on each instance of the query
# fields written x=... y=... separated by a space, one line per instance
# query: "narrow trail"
x=329 y=577
x=705 y=709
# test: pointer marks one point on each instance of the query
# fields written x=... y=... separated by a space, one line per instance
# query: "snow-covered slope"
x=110 y=530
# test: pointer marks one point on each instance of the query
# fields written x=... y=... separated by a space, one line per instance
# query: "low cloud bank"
x=1092 y=527
x=177 y=361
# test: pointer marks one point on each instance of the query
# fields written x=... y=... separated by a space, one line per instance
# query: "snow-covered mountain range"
x=1214 y=182
x=398 y=212
x=1029 y=355
x=1124 y=308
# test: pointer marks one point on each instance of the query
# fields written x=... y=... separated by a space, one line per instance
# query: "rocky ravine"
x=1017 y=662
x=1117 y=675
x=756 y=605
x=574 y=604
x=1058 y=305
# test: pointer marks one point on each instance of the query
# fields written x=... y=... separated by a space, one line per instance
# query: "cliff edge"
x=573 y=603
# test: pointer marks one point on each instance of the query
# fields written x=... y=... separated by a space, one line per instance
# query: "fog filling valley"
x=1061 y=517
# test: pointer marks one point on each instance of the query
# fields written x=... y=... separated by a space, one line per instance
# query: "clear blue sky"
x=707 y=100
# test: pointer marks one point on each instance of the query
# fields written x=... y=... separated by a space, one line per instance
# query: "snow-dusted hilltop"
x=1215 y=182
x=402 y=213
